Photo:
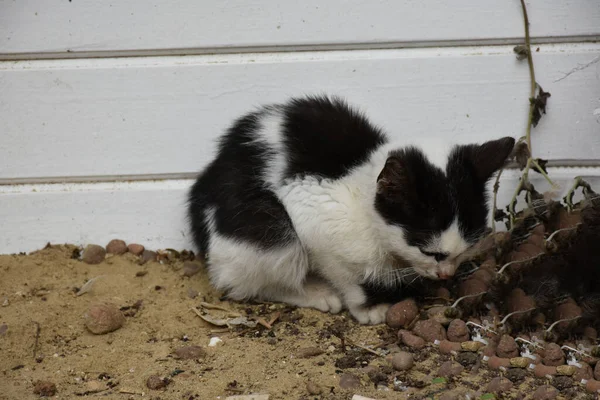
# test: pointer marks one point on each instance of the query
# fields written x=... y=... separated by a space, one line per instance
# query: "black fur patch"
x=325 y=137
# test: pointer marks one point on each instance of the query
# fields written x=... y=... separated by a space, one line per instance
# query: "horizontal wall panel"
x=140 y=116
x=151 y=213
x=33 y=26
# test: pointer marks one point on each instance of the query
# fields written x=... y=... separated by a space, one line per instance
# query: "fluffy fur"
x=310 y=204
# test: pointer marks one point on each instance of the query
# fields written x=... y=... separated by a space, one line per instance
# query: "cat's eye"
x=437 y=256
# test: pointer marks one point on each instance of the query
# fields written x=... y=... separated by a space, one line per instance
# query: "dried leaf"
x=542 y=163
x=522 y=51
x=522 y=154
x=87 y=286
x=500 y=215
x=539 y=104
x=228 y=322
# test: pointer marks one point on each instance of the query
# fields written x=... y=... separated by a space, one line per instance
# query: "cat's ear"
x=393 y=177
x=489 y=157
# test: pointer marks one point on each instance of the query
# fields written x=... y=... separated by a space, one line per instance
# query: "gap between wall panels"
x=152 y=213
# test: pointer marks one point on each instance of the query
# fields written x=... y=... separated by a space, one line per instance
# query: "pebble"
x=495 y=362
x=430 y=330
x=308 y=352
x=458 y=331
x=214 y=341
x=520 y=362
x=149 y=255
x=449 y=369
x=545 y=392
x=592 y=386
x=507 y=348
x=136 y=249
x=93 y=254
x=103 y=318
x=516 y=374
x=401 y=314
x=542 y=371
x=597 y=371
x=44 y=388
x=411 y=340
x=116 y=246
x=562 y=382
x=585 y=372
x=471 y=346
x=94 y=387
x=3 y=329
x=499 y=385
x=467 y=358
x=402 y=361
x=313 y=389
x=155 y=382
x=349 y=381
x=5 y=302
x=448 y=347
x=190 y=353
x=192 y=293
x=553 y=355
x=566 y=370
x=191 y=268
x=438 y=313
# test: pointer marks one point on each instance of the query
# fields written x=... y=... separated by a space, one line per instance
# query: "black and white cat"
x=306 y=202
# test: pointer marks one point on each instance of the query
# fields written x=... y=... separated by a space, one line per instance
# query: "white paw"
x=323 y=298
x=370 y=315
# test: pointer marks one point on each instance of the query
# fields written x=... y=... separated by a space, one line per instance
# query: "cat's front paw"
x=370 y=315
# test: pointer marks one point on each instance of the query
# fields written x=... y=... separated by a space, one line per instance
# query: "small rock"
x=562 y=382
x=272 y=341
x=507 y=348
x=136 y=249
x=449 y=369
x=192 y=293
x=401 y=314
x=116 y=246
x=5 y=302
x=44 y=388
x=458 y=331
x=553 y=355
x=471 y=346
x=93 y=254
x=94 y=387
x=516 y=374
x=467 y=358
x=308 y=352
x=545 y=392
x=430 y=330
x=3 y=329
x=214 y=341
x=155 y=382
x=411 y=340
x=499 y=385
x=438 y=313
x=566 y=370
x=313 y=389
x=149 y=255
x=103 y=318
x=585 y=372
x=349 y=381
x=520 y=362
x=190 y=353
x=402 y=361
x=191 y=268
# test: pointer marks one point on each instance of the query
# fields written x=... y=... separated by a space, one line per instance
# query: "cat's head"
x=433 y=214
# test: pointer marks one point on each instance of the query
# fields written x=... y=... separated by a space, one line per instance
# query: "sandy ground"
x=43 y=337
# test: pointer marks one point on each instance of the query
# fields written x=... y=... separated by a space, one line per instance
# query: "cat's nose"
x=443 y=275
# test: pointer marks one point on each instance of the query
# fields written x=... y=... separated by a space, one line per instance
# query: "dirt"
x=44 y=341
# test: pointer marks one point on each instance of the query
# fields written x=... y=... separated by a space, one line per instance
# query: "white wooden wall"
x=108 y=109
